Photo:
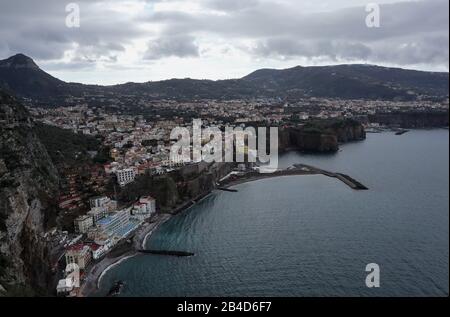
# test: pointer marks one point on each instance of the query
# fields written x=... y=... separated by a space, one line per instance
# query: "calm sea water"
x=312 y=235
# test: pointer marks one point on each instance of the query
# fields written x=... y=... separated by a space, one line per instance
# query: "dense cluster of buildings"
x=103 y=227
x=140 y=144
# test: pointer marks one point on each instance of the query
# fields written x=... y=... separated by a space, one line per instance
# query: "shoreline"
x=99 y=269
x=95 y=273
x=140 y=238
x=99 y=279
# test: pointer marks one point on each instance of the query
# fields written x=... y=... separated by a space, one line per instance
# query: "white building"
x=100 y=207
x=71 y=282
x=65 y=286
x=83 y=223
x=99 y=250
x=79 y=254
x=144 y=208
x=117 y=225
x=125 y=176
x=97 y=213
x=98 y=201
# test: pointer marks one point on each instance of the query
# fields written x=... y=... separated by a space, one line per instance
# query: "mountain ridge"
x=20 y=74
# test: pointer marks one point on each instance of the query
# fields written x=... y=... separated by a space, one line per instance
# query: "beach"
x=119 y=254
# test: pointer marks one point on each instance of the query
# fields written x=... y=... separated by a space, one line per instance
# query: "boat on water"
x=116 y=289
x=401 y=132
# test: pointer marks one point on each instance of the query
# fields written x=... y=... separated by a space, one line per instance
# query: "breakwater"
x=167 y=252
x=349 y=181
x=295 y=170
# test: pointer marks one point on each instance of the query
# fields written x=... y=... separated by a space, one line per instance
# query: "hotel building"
x=83 y=223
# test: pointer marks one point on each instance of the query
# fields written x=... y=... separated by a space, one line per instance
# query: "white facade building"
x=100 y=207
x=144 y=209
x=83 y=223
x=126 y=176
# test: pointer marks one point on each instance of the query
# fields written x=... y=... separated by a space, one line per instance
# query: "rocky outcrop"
x=205 y=181
x=179 y=187
x=28 y=185
x=298 y=139
x=322 y=137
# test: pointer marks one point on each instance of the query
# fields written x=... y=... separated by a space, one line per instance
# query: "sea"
x=303 y=236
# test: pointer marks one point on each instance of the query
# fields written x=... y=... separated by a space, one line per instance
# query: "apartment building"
x=125 y=176
x=79 y=254
x=144 y=208
x=83 y=223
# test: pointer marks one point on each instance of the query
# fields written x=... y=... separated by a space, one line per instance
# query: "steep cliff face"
x=298 y=139
x=182 y=186
x=28 y=184
x=349 y=132
x=205 y=182
x=321 y=137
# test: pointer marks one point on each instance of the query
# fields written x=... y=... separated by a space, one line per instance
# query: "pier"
x=167 y=252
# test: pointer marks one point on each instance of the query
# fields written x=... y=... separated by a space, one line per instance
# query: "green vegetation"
x=64 y=146
x=163 y=188
x=10 y=157
x=103 y=155
x=3 y=220
x=22 y=291
x=3 y=263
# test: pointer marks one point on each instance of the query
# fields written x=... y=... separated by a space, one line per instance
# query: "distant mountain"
x=352 y=81
x=21 y=75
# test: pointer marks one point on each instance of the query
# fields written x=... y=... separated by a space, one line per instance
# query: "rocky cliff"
x=320 y=136
x=28 y=184
x=179 y=187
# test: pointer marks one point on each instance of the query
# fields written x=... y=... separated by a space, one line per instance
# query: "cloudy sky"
x=142 y=40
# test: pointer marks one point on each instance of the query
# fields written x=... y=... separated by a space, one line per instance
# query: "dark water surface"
x=312 y=235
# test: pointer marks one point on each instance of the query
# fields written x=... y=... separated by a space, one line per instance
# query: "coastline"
x=95 y=273
x=140 y=238
x=99 y=269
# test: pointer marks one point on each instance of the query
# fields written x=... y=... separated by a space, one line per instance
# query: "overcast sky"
x=142 y=40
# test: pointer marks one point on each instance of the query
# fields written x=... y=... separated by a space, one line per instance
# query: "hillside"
x=352 y=81
x=28 y=190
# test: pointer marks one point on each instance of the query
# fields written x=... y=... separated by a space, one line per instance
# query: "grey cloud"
x=178 y=45
x=37 y=28
x=274 y=19
x=230 y=5
x=411 y=32
x=430 y=48
x=333 y=50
